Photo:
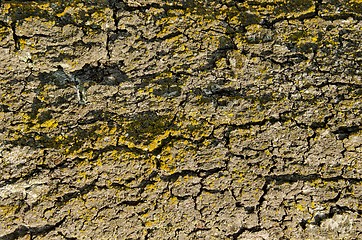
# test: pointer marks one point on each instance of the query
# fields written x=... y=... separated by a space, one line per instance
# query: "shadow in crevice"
x=108 y=75
x=79 y=81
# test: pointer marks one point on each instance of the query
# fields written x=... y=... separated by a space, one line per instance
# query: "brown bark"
x=180 y=119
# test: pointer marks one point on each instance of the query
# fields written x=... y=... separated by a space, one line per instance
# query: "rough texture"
x=141 y=119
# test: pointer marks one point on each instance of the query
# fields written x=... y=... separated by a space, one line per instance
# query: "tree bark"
x=180 y=119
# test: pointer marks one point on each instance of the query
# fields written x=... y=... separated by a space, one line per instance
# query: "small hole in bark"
x=303 y=224
x=249 y=209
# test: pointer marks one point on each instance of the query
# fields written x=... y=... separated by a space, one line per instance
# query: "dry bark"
x=158 y=119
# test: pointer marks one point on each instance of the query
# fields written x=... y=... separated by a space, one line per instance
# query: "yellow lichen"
x=300 y=207
x=8 y=210
x=52 y=123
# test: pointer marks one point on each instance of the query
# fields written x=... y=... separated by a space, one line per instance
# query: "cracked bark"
x=180 y=119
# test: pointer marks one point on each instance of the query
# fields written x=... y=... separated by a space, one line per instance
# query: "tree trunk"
x=153 y=119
